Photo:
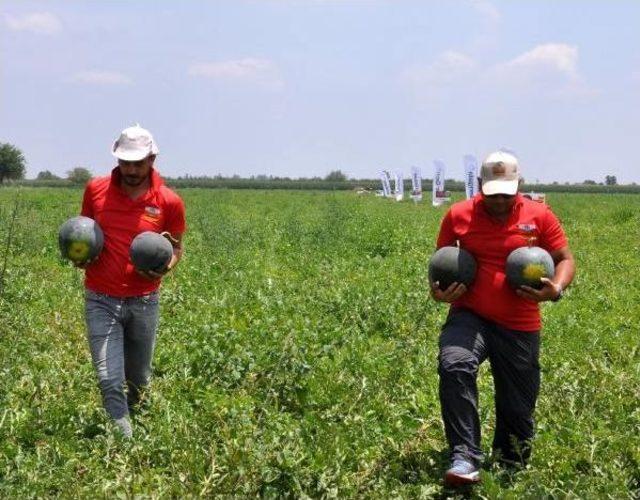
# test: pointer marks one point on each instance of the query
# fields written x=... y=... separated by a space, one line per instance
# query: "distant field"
x=297 y=356
x=347 y=185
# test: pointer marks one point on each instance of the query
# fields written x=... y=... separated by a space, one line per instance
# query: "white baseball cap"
x=500 y=174
x=135 y=143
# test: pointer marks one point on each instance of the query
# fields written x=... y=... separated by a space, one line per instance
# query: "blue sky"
x=302 y=87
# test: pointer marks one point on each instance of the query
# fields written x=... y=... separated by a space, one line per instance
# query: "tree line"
x=13 y=168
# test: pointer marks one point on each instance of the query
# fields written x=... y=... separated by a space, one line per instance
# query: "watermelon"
x=80 y=239
x=526 y=265
x=451 y=264
x=150 y=251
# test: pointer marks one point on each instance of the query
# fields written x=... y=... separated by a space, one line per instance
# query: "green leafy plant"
x=297 y=357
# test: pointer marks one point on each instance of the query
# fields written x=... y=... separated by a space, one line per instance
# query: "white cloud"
x=551 y=68
x=548 y=70
x=101 y=78
x=487 y=10
x=487 y=31
x=447 y=68
x=551 y=56
x=42 y=23
x=251 y=70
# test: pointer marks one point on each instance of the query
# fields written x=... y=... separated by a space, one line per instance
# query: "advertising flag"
x=386 y=183
x=398 y=190
x=539 y=197
x=440 y=196
x=470 y=175
x=416 y=184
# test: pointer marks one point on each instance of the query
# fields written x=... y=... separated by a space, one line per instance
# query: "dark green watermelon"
x=526 y=265
x=150 y=251
x=80 y=239
x=450 y=264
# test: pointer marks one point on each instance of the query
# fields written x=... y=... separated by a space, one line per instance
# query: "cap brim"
x=500 y=187
x=131 y=155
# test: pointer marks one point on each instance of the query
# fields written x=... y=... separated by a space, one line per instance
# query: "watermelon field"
x=297 y=357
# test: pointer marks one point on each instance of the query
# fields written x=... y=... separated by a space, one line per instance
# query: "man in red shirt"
x=491 y=320
x=121 y=302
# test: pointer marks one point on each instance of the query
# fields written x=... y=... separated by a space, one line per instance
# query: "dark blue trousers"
x=465 y=342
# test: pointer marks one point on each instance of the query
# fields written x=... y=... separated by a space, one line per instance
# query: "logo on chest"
x=151 y=213
x=528 y=232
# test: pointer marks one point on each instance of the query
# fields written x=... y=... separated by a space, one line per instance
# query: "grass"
x=297 y=357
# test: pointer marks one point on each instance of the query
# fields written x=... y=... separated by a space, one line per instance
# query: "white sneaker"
x=124 y=424
x=460 y=473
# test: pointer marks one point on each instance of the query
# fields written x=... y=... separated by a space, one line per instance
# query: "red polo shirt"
x=121 y=219
x=491 y=242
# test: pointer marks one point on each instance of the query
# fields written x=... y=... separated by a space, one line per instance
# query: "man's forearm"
x=565 y=270
x=175 y=258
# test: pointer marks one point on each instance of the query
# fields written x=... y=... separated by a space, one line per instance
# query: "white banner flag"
x=386 y=183
x=440 y=196
x=470 y=176
x=398 y=190
x=416 y=184
x=539 y=197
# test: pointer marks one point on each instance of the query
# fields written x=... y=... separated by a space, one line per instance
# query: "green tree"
x=12 y=163
x=610 y=180
x=45 y=175
x=336 y=176
x=79 y=175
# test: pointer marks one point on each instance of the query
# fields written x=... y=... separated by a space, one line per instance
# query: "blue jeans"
x=122 y=335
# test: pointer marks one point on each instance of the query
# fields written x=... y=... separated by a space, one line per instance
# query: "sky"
x=299 y=88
